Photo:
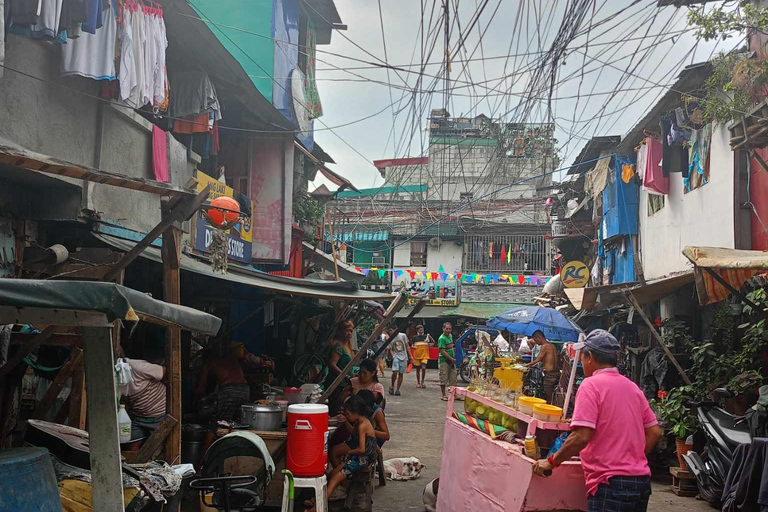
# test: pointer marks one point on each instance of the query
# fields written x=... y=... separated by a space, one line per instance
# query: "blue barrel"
x=27 y=481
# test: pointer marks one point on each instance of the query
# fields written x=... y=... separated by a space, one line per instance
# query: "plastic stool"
x=319 y=484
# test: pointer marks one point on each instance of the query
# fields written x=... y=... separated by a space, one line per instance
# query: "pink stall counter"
x=479 y=473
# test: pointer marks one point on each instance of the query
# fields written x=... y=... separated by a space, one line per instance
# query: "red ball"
x=223 y=209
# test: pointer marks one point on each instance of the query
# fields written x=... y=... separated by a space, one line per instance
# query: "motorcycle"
x=723 y=432
x=465 y=368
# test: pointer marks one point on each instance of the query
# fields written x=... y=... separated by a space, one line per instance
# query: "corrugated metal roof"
x=484 y=310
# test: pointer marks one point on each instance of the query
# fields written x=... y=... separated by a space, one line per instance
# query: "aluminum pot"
x=262 y=417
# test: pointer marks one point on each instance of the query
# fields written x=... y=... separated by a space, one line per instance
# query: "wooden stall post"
x=171 y=252
x=396 y=305
x=639 y=310
x=106 y=471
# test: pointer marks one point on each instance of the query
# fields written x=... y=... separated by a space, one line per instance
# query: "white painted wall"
x=701 y=217
x=402 y=255
x=449 y=255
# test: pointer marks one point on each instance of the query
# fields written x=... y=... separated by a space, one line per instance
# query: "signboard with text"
x=239 y=237
x=437 y=291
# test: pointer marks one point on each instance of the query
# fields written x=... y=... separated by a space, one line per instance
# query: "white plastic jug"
x=124 y=421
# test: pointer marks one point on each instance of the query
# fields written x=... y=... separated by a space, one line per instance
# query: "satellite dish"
x=300 y=109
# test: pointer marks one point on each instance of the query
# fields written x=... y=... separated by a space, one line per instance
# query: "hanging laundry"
x=143 y=46
x=193 y=93
x=93 y=55
x=509 y=254
x=95 y=15
x=47 y=26
x=503 y=257
x=627 y=172
x=675 y=157
x=22 y=13
x=193 y=124
x=73 y=14
x=642 y=153
x=655 y=181
x=160 y=154
x=490 y=250
x=310 y=85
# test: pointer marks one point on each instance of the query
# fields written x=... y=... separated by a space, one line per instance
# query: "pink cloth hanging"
x=653 y=177
x=160 y=154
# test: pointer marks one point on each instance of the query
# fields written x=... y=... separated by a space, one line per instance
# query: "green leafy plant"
x=737 y=81
x=745 y=382
x=306 y=210
x=673 y=415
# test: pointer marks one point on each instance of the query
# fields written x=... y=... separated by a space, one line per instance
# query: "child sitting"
x=363 y=454
x=374 y=401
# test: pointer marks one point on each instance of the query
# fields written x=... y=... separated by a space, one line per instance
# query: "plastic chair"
x=318 y=483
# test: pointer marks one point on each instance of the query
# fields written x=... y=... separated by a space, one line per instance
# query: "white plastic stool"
x=319 y=484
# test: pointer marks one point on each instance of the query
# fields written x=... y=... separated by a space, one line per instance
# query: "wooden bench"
x=360 y=492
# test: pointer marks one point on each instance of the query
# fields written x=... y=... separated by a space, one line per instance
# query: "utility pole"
x=446 y=97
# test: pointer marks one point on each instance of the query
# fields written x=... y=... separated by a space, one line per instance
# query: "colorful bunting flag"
x=358 y=269
x=458 y=276
x=534 y=280
x=521 y=279
x=366 y=271
x=441 y=269
x=381 y=273
x=443 y=276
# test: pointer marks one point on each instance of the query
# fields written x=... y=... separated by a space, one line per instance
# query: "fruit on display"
x=470 y=405
x=482 y=411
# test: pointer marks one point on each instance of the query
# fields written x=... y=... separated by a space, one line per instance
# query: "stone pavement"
x=416 y=422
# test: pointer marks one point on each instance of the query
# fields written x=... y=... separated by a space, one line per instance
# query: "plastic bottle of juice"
x=530 y=447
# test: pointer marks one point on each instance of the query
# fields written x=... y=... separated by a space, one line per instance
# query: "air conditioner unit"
x=378 y=260
x=434 y=242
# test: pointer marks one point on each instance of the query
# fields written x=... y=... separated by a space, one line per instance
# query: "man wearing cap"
x=612 y=430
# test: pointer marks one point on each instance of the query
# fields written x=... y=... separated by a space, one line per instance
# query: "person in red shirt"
x=612 y=430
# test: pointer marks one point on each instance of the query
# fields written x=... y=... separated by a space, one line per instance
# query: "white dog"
x=430 y=495
x=403 y=468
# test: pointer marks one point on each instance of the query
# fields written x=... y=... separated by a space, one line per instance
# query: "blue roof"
x=382 y=190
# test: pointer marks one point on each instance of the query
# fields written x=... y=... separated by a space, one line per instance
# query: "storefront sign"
x=437 y=291
x=575 y=274
x=240 y=237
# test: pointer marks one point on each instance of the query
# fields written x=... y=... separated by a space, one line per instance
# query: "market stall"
x=94 y=308
x=480 y=471
x=491 y=446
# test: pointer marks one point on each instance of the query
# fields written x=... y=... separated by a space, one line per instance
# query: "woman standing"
x=341 y=351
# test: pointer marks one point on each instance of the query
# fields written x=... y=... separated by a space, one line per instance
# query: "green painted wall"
x=256 y=54
x=363 y=258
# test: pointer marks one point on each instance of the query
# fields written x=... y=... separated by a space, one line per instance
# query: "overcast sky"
x=613 y=71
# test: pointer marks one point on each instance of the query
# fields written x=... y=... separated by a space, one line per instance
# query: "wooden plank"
x=106 y=470
x=396 y=306
x=152 y=447
x=55 y=340
x=78 y=403
x=16 y=156
x=25 y=350
x=333 y=244
x=181 y=210
x=65 y=372
x=63 y=414
x=171 y=252
x=639 y=310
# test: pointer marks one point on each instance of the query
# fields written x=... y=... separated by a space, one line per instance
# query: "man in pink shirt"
x=612 y=430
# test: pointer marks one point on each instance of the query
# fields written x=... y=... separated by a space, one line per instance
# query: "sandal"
x=424 y=386
x=391 y=390
x=444 y=399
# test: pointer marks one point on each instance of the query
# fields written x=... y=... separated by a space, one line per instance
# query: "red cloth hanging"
x=503 y=257
x=160 y=154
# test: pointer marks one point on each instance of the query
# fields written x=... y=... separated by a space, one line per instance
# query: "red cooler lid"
x=308 y=409
x=291 y=390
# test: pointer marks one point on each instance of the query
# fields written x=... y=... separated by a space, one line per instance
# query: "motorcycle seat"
x=726 y=425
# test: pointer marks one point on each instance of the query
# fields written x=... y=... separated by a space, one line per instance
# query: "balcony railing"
x=506 y=254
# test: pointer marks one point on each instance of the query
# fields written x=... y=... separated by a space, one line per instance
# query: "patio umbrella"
x=529 y=319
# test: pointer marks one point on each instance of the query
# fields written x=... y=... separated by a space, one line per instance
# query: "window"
x=418 y=254
x=655 y=203
x=506 y=254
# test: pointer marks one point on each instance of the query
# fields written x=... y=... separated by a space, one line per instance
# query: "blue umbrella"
x=529 y=319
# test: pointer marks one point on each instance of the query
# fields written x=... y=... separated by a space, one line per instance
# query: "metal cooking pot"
x=262 y=417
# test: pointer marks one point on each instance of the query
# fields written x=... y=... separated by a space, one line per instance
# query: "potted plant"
x=676 y=419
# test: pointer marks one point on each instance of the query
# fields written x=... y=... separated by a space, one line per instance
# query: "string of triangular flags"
x=467 y=278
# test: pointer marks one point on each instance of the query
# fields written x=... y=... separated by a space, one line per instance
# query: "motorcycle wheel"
x=709 y=493
x=464 y=373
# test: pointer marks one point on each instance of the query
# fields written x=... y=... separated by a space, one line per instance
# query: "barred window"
x=506 y=254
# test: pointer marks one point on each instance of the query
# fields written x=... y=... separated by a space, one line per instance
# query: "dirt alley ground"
x=416 y=422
